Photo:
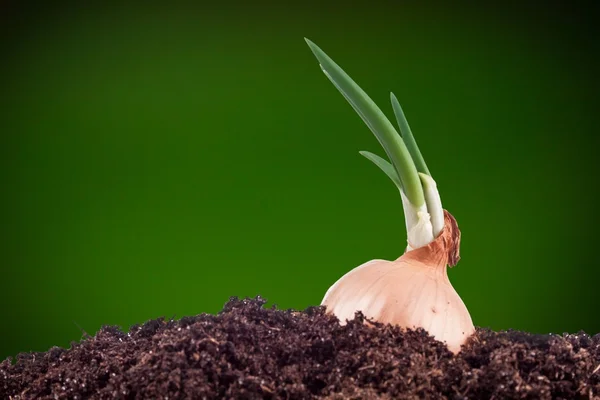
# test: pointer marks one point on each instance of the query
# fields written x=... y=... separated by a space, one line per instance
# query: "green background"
x=156 y=160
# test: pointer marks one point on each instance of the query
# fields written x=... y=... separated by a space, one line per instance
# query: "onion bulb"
x=413 y=291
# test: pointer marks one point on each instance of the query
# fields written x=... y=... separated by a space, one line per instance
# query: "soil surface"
x=249 y=351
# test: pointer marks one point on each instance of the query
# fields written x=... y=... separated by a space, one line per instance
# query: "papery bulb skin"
x=413 y=291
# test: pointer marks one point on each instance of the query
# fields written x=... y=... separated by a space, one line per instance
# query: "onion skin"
x=412 y=292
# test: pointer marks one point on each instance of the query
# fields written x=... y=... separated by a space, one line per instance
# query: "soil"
x=249 y=351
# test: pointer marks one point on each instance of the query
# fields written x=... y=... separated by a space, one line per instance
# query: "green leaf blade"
x=408 y=137
x=374 y=118
x=384 y=165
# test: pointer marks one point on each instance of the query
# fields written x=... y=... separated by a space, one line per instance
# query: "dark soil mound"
x=251 y=352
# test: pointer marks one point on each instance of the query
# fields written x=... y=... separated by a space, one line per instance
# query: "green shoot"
x=381 y=127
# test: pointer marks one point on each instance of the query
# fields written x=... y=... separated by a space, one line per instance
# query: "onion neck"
x=442 y=251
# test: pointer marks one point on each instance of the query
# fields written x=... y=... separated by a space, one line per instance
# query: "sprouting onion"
x=414 y=290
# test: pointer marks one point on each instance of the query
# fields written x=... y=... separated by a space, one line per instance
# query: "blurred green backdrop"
x=157 y=160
